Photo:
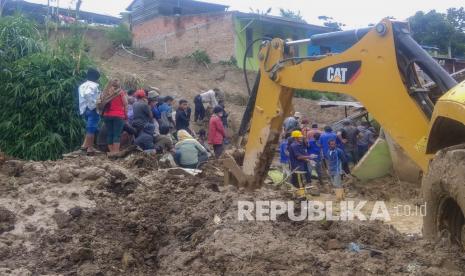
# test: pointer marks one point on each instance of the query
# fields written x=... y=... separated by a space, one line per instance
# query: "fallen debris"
x=119 y=218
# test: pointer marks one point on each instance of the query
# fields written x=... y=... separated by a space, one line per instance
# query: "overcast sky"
x=354 y=13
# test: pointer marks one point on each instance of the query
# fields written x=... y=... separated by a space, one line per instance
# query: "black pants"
x=199 y=111
x=300 y=179
x=218 y=150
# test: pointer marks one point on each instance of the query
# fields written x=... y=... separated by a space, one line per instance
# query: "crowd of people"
x=304 y=149
x=148 y=120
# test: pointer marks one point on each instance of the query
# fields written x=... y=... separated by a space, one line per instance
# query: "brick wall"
x=171 y=36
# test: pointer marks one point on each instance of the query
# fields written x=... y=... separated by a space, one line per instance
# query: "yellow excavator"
x=380 y=70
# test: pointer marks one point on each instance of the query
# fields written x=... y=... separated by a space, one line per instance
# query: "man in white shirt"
x=211 y=97
x=89 y=92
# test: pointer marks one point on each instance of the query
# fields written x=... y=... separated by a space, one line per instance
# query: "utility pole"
x=78 y=8
x=57 y=16
x=47 y=18
x=2 y=6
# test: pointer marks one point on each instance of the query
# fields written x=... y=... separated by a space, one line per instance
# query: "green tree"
x=261 y=12
x=457 y=18
x=442 y=30
x=120 y=35
x=39 y=118
x=291 y=14
x=329 y=22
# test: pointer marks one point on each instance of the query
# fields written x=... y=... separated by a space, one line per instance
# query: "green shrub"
x=200 y=56
x=316 y=95
x=39 y=118
x=120 y=35
x=231 y=62
x=18 y=38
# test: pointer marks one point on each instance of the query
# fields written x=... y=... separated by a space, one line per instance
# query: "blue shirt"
x=297 y=150
x=283 y=153
x=156 y=113
x=335 y=159
x=325 y=138
x=164 y=107
x=314 y=147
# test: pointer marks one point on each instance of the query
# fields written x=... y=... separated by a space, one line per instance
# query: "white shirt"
x=209 y=97
x=88 y=95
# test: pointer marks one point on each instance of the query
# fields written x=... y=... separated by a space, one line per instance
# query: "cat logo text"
x=337 y=75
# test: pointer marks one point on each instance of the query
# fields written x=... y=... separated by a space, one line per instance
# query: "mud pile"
x=388 y=188
x=92 y=216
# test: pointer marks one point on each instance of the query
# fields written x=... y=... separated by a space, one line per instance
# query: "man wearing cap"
x=292 y=123
x=299 y=158
x=142 y=113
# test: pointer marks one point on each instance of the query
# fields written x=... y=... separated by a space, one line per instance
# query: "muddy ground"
x=93 y=216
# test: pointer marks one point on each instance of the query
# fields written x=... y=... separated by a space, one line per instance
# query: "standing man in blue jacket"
x=335 y=157
x=299 y=158
x=327 y=136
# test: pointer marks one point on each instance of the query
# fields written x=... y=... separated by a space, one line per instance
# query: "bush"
x=18 y=38
x=231 y=62
x=200 y=56
x=316 y=95
x=39 y=118
x=120 y=35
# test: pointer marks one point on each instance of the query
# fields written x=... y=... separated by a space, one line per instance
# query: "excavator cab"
x=379 y=70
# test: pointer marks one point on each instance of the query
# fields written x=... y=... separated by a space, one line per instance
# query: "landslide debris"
x=93 y=216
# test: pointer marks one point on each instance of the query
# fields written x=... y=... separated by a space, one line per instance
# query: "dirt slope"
x=92 y=216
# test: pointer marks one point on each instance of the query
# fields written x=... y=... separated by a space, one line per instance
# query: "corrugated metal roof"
x=182 y=2
x=281 y=20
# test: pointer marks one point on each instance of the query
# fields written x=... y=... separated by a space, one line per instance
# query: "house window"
x=249 y=40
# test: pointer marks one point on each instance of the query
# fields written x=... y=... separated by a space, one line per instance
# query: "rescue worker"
x=299 y=158
x=335 y=158
x=327 y=136
x=311 y=133
x=314 y=149
x=350 y=133
x=365 y=139
x=284 y=155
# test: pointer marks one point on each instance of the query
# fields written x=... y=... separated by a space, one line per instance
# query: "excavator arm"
x=379 y=70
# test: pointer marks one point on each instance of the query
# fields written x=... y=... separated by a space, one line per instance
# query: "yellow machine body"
x=376 y=83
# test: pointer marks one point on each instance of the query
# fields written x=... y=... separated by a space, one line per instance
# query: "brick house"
x=179 y=27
